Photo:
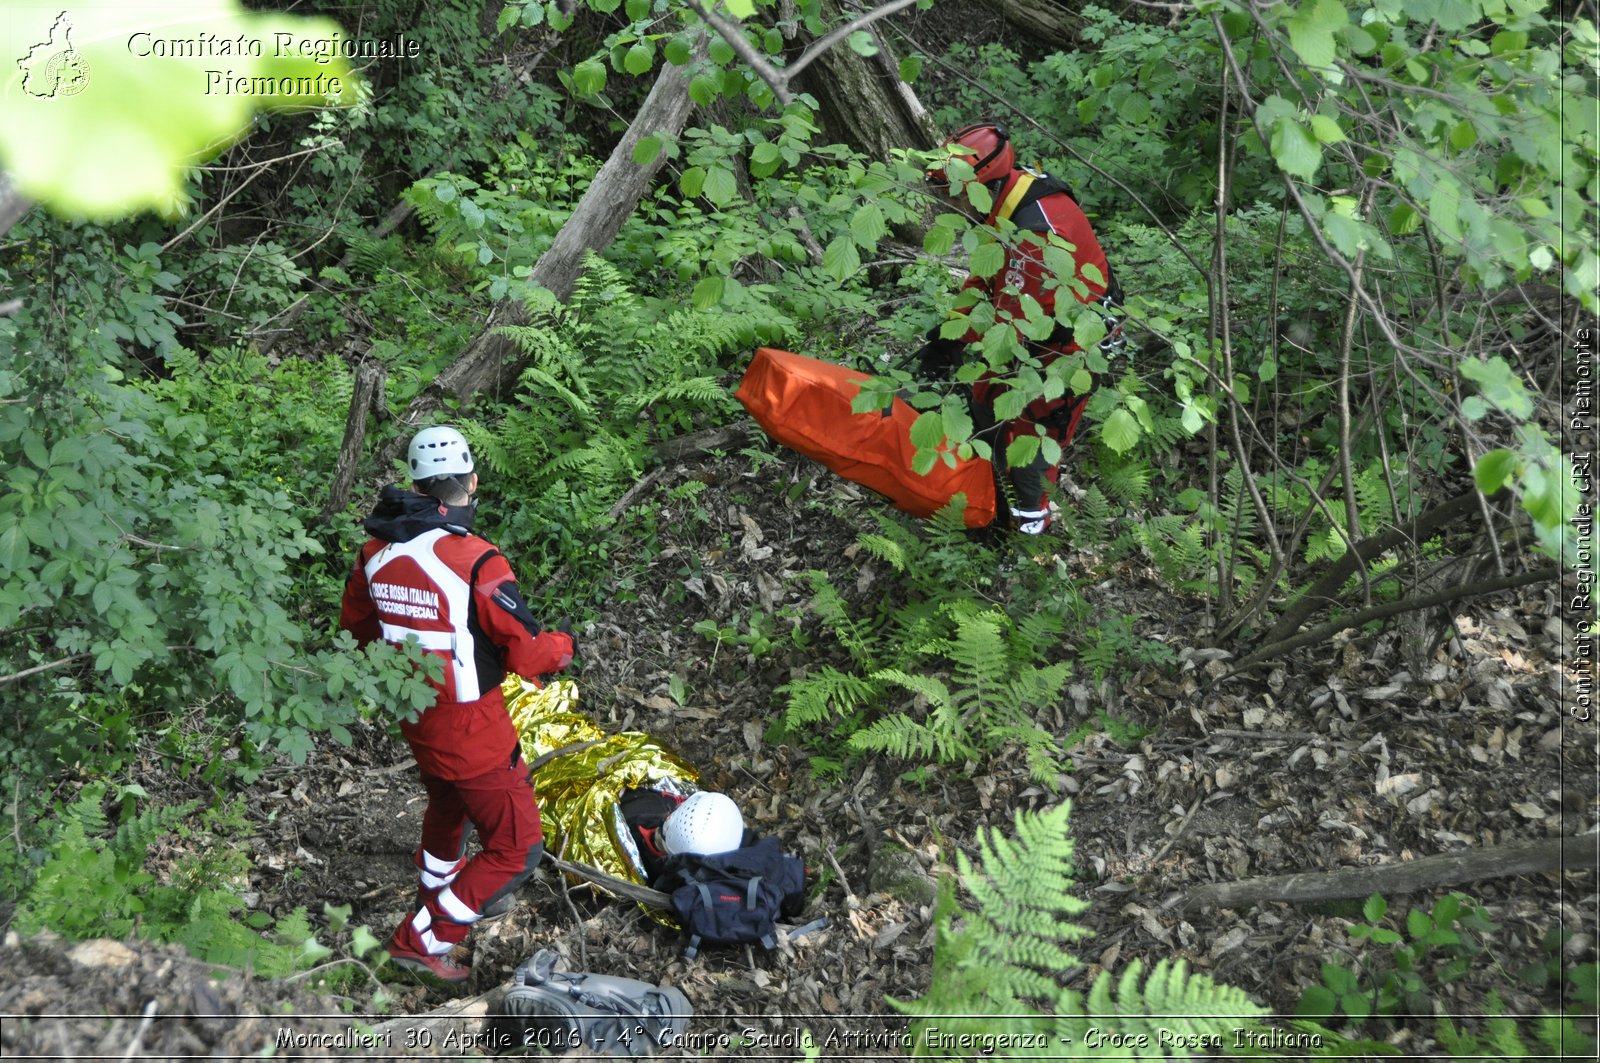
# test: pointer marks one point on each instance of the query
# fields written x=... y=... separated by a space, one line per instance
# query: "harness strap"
x=1014 y=198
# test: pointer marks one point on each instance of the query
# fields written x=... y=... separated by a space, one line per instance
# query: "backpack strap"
x=750 y=894
x=692 y=949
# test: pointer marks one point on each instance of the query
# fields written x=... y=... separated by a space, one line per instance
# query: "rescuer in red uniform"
x=1038 y=205
x=424 y=577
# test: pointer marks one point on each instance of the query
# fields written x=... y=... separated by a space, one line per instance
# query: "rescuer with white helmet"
x=424 y=578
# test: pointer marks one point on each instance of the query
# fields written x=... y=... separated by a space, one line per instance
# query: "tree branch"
x=731 y=33
x=1379 y=612
x=36 y=669
x=834 y=36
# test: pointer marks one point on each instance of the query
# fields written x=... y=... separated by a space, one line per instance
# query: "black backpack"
x=734 y=898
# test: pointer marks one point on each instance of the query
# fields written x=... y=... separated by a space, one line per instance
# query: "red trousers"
x=454 y=891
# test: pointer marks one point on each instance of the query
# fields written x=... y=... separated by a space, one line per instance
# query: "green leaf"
x=1088 y=329
x=862 y=44
x=677 y=51
x=1312 y=28
x=708 y=292
x=740 y=8
x=1464 y=135
x=765 y=158
x=645 y=152
x=1193 y=420
x=1294 y=149
x=1120 y=431
x=910 y=68
x=1317 y=1003
x=840 y=260
x=1418 y=924
x=1134 y=108
x=94 y=125
x=1375 y=908
x=14 y=550
x=589 y=77
x=721 y=187
x=1494 y=470
x=639 y=59
x=988 y=259
x=938 y=240
x=867 y=226
x=363 y=942
x=1021 y=450
x=1326 y=130
x=927 y=431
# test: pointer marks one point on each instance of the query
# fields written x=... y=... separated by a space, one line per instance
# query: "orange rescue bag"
x=805 y=405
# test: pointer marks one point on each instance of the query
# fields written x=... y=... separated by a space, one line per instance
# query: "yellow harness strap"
x=1014 y=197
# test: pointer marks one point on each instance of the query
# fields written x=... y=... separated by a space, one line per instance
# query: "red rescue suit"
x=1035 y=204
x=424 y=577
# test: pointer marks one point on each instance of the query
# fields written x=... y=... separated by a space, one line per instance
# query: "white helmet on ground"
x=439 y=452
x=705 y=824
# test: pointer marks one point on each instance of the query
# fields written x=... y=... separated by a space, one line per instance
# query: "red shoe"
x=441 y=969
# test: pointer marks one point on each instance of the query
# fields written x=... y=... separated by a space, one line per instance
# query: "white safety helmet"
x=705 y=824
x=439 y=452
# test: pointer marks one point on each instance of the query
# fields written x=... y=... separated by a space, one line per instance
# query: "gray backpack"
x=557 y=1011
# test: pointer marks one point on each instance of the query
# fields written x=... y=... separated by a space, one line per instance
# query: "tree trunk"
x=366 y=397
x=492 y=361
x=1046 y=21
x=12 y=204
x=861 y=100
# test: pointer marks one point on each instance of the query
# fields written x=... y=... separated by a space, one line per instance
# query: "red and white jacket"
x=424 y=577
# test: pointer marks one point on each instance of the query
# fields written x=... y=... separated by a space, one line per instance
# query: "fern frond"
x=1126 y=479
x=700 y=390
x=1037 y=633
x=827 y=695
x=535 y=379
x=887 y=550
x=1001 y=972
x=489 y=448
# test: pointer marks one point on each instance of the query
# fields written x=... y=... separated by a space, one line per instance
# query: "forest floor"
x=1342 y=755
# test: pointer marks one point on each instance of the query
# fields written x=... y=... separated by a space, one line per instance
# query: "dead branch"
x=365 y=398
x=776 y=79
x=1380 y=612
x=1323 y=591
x=631 y=891
x=699 y=442
x=1572 y=854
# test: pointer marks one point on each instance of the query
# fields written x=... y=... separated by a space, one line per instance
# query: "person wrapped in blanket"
x=619 y=803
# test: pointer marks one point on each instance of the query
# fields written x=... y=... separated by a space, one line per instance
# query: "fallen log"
x=1573 y=853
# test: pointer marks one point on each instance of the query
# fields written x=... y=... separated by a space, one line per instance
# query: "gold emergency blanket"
x=579 y=788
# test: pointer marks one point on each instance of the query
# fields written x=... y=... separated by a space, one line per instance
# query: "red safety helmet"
x=990 y=156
